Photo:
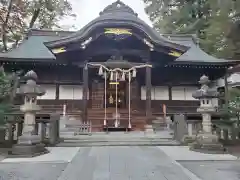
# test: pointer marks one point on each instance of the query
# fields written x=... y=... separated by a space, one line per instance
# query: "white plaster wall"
x=143 y=93
x=161 y=93
x=50 y=92
x=77 y=92
x=66 y=92
x=71 y=92
x=189 y=91
x=157 y=93
x=178 y=93
x=183 y=93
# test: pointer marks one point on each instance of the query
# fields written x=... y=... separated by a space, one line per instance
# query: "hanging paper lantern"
x=111 y=76
x=100 y=71
x=123 y=76
x=134 y=73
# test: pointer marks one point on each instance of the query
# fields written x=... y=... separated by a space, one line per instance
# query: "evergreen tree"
x=211 y=20
x=5 y=93
x=17 y=17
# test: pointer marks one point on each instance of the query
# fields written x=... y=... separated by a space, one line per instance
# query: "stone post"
x=190 y=129
x=29 y=143
x=206 y=140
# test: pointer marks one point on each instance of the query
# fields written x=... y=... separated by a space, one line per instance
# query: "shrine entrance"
x=116 y=94
x=118 y=75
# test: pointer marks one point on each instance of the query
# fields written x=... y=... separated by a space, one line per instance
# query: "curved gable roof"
x=117 y=14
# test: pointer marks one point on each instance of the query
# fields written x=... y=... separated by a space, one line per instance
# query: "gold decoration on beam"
x=59 y=50
x=114 y=83
x=117 y=31
x=175 y=54
x=111 y=100
x=148 y=44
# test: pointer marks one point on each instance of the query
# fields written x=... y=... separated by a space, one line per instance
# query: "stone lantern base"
x=186 y=140
x=207 y=143
x=28 y=147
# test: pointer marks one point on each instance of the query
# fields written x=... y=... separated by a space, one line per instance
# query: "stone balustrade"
x=47 y=126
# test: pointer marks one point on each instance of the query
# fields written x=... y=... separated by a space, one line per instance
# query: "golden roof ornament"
x=58 y=50
x=118 y=6
x=117 y=31
x=175 y=54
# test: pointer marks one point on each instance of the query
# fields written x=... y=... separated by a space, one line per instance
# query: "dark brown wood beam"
x=112 y=51
x=85 y=93
x=148 y=87
x=57 y=91
x=170 y=92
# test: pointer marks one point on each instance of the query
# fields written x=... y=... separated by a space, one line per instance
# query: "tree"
x=211 y=20
x=230 y=112
x=234 y=104
x=17 y=16
x=6 y=89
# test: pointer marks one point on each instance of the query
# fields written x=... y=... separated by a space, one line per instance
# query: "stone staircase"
x=120 y=139
x=96 y=116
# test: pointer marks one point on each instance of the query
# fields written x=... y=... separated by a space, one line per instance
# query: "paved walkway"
x=112 y=163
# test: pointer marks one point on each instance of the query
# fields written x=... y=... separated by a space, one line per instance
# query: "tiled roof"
x=32 y=49
x=195 y=54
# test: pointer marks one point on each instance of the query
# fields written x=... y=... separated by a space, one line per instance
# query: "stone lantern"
x=29 y=144
x=205 y=140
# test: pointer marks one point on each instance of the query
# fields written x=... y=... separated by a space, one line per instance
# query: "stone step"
x=117 y=143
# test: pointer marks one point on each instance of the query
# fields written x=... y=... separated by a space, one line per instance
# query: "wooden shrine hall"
x=116 y=71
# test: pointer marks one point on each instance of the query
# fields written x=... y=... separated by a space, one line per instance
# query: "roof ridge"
x=47 y=32
x=193 y=37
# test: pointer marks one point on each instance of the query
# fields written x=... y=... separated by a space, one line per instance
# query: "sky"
x=87 y=10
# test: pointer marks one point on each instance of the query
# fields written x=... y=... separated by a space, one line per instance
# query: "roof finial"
x=118 y=6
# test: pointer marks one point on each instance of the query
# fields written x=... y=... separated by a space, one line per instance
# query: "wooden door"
x=114 y=97
x=97 y=95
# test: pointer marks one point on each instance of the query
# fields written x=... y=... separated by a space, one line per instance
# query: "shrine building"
x=117 y=70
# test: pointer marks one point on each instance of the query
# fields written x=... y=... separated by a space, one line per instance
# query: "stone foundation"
x=25 y=150
x=188 y=139
x=207 y=143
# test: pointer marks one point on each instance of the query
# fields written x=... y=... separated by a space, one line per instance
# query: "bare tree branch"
x=4 y=26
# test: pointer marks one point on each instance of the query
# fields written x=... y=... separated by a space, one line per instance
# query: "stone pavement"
x=214 y=170
x=120 y=163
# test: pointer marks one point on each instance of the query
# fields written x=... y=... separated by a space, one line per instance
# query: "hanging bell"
x=100 y=71
x=111 y=76
x=134 y=73
x=123 y=76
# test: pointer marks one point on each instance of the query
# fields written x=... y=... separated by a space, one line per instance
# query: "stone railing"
x=47 y=127
x=228 y=135
x=187 y=130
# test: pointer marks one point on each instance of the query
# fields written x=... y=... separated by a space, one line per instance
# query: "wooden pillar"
x=85 y=93
x=170 y=92
x=127 y=93
x=148 y=93
x=57 y=91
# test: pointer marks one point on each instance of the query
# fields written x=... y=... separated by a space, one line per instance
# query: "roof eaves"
x=187 y=62
x=13 y=59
